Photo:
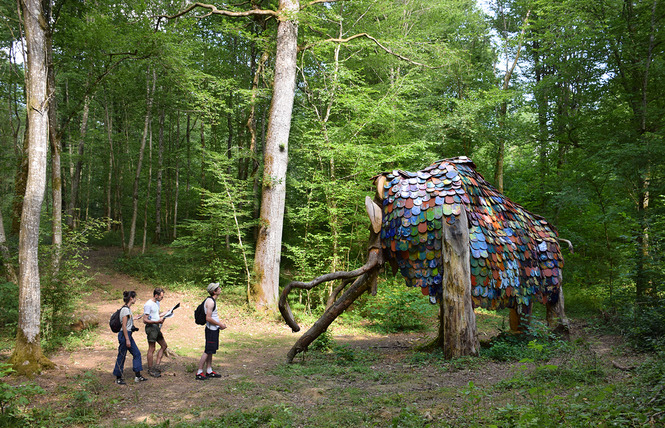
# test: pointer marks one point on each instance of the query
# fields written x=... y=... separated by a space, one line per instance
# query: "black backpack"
x=200 y=313
x=115 y=322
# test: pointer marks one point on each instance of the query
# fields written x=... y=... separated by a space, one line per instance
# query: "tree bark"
x=265 y=287
x=55 y=138
x=457 y=328
x=27 y=357
x=135 y=196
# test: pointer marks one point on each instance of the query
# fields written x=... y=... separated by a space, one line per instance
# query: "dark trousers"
x=122 y=353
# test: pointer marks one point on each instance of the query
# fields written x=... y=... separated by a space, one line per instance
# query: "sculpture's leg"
x=457 y=323
x=520 y=321
x=362 y=284
x=556 y=315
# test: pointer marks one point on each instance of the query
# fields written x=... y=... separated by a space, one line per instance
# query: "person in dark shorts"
x=126 y=342
x=154 y=319
x=213 y=326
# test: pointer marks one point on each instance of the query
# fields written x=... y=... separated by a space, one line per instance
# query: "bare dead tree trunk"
x=265 y=287
x=27 y=357
x=457 y=329
x=135 y=196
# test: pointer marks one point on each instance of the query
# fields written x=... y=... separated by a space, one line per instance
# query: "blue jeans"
x=122 y=353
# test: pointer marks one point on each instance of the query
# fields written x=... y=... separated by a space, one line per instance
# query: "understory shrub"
x=9 y=305
x=62 y=285
x=644 y=326
x=397 y=308
x=15 y=399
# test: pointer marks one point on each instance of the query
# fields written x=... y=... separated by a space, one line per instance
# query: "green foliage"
x=9 y=305
x=397 y=308
x=218 y=242
x=643 y=326
x=62 y=285
x=409 y=418
x=162 y=266
x=15 y=399
x=323 y=343
x=538 y=344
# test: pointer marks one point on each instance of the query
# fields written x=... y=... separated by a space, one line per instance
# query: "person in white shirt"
x=213 y=326
x=153 y=320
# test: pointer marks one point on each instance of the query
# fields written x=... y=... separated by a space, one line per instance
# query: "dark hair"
x=126 y=295
x=157 y=291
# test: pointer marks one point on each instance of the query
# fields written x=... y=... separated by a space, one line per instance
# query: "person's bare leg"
x=202 y=361
x=151 y=351
x=160 y=353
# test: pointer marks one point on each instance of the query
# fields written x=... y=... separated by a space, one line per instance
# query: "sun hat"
x=212 y=287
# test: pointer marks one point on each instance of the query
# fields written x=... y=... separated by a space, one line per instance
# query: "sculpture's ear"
x=379 y=186
x=374 y=212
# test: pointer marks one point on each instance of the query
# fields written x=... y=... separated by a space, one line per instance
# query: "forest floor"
x=371 y=379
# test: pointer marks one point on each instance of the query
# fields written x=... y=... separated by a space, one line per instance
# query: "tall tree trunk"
x=72 y=209
x=177 y=180
x=109 y=182
x=55 y=138
x=253 y=145
x=135 y=195
x=27 y=357
x=160 y=171
x=265 y=287
x=147 y=196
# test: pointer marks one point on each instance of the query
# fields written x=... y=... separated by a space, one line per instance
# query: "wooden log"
x=458 y=335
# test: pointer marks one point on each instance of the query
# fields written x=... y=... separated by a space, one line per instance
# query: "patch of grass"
x=339 y=416
x=435 y=359
x=278 y=415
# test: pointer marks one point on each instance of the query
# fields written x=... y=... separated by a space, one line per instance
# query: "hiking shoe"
x=213 y=374
x=201 y=376
x=154 y=373
x=120 y=381
x=138 y=379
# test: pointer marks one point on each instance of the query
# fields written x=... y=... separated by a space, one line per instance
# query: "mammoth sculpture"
x=465 y=245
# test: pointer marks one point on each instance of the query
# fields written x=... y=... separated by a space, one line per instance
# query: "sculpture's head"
x=514 y=254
